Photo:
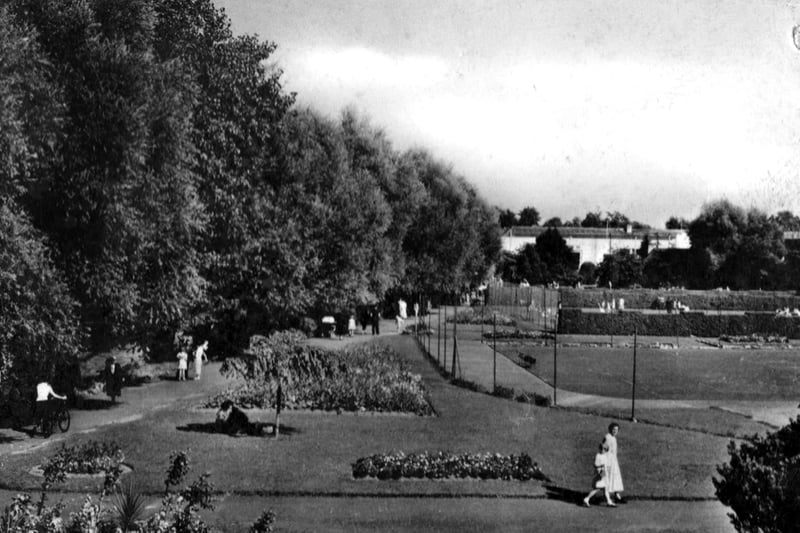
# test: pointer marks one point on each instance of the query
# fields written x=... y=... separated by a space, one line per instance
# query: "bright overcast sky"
x=646 y=107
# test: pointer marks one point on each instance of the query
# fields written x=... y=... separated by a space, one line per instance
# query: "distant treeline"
x=155 y=178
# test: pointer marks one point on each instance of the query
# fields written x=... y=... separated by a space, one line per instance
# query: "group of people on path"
x=200 y=358
x=608 y=477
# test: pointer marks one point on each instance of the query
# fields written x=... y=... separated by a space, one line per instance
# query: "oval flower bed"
x=446 y=465
x=91 y=459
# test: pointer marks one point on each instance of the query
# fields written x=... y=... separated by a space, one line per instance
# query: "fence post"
x=555 y=365
x=444 y=341
x=438 y=334
x=483 y=307
x=494 y=352
x=633 y=388
x=455 y=347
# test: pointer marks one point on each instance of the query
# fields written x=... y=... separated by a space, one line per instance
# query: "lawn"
x=686 y=373
x=315 y=454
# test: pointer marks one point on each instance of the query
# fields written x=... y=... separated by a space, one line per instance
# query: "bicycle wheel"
x=63 y=420
x=46 y=425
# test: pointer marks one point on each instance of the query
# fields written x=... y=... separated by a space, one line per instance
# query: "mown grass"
x=683 y=374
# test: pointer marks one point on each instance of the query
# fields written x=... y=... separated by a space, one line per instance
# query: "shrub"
x=503 y=392
x=366 y=377
x=761 y=483
x=443 y=465
x=90 y=458
x=476 y=316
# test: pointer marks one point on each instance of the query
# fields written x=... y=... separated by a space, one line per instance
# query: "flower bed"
x=91 y=458
x=518 y=334
x=476 y=316
x=754 y=338
x=445 y=465
x=360 y=378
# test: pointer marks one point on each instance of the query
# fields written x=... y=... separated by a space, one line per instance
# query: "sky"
x=646 y=107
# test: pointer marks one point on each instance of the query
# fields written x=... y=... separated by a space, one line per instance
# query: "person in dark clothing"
x=113 y=379
x=232 y=420
x=376 y=320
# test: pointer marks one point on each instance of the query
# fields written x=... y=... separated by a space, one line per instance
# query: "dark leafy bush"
x=368 y=378
x=697 y=323
x=90 y=458
x=477 y=316
x=761 y=483
x=506 y=333
x=503 y=392
x=443 y=465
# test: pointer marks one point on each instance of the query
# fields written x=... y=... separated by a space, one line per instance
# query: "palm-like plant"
x=128 y=507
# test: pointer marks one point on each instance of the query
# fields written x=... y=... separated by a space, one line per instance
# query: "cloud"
x=365 y=68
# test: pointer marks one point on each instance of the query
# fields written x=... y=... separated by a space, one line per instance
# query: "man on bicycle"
x=44 y=405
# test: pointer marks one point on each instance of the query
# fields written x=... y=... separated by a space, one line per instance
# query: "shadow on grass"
x=266 y=430
x=6 y=439
x=565 y=495
x=94 y=404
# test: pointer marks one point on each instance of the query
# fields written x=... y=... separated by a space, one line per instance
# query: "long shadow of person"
x=258 y=429
x=564 y=494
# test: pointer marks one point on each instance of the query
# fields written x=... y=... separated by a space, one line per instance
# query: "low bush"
x=697 y=323
x=503 y=392
x=761 y=483
x=444 y=465
x=90 y=458
x=359 y=378
x=506 y=333
x=754 y=338
x=477 y=316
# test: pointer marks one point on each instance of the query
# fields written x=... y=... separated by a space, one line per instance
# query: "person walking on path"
x=600 y=481
x=615 y=486
x=402 y=314
x=113 y=379
x=200 y=358
x=183 y=364
x=375 y=315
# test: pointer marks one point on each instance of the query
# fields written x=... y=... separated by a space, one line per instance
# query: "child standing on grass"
x=183 y=364
x=600 y=481
x=351 y=325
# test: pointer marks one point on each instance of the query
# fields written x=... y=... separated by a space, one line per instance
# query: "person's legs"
x=607 y=494
x=588 y=498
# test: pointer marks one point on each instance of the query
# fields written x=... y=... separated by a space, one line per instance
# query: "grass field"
x=685 y=373
x=315 y=454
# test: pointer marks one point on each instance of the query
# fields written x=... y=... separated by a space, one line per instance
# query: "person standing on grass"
x=200 y=358
x=351 y=325
x=402 y=314
x=615 y=486
x=113 y=379
x=375 y=315
x=600 y=481
x=183 y=364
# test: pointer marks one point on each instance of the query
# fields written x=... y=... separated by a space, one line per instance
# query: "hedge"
x=697 y=323
x=696 y=300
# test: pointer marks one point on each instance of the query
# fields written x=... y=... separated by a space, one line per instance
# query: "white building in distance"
x=592 y=244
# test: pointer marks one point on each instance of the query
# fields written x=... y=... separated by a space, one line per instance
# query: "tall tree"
x=529 y=216
x=507 y=218
x=561 y=261
x=622 y=268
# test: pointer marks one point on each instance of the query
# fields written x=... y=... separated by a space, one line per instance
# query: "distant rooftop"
x=595 y=233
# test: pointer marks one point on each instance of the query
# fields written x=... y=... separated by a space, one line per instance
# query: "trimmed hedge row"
x=696 y=300
x=697 y=323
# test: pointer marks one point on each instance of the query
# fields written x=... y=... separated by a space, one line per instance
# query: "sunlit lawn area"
x=685 y=373
x=316 y=453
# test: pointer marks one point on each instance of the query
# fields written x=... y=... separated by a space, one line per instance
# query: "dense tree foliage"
x=740 y=249
x=529 y=216
x=761 y=483
x=156 y=178
x=622 y=268
x=507 y=218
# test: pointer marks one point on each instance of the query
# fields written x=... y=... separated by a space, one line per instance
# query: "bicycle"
x=57 y=415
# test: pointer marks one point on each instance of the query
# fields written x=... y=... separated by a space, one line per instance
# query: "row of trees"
x=730 y=247
x=156 y=177
x=529 y=216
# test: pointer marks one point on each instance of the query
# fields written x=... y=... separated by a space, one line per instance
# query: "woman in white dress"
x=199 y=359
x=614 y=474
